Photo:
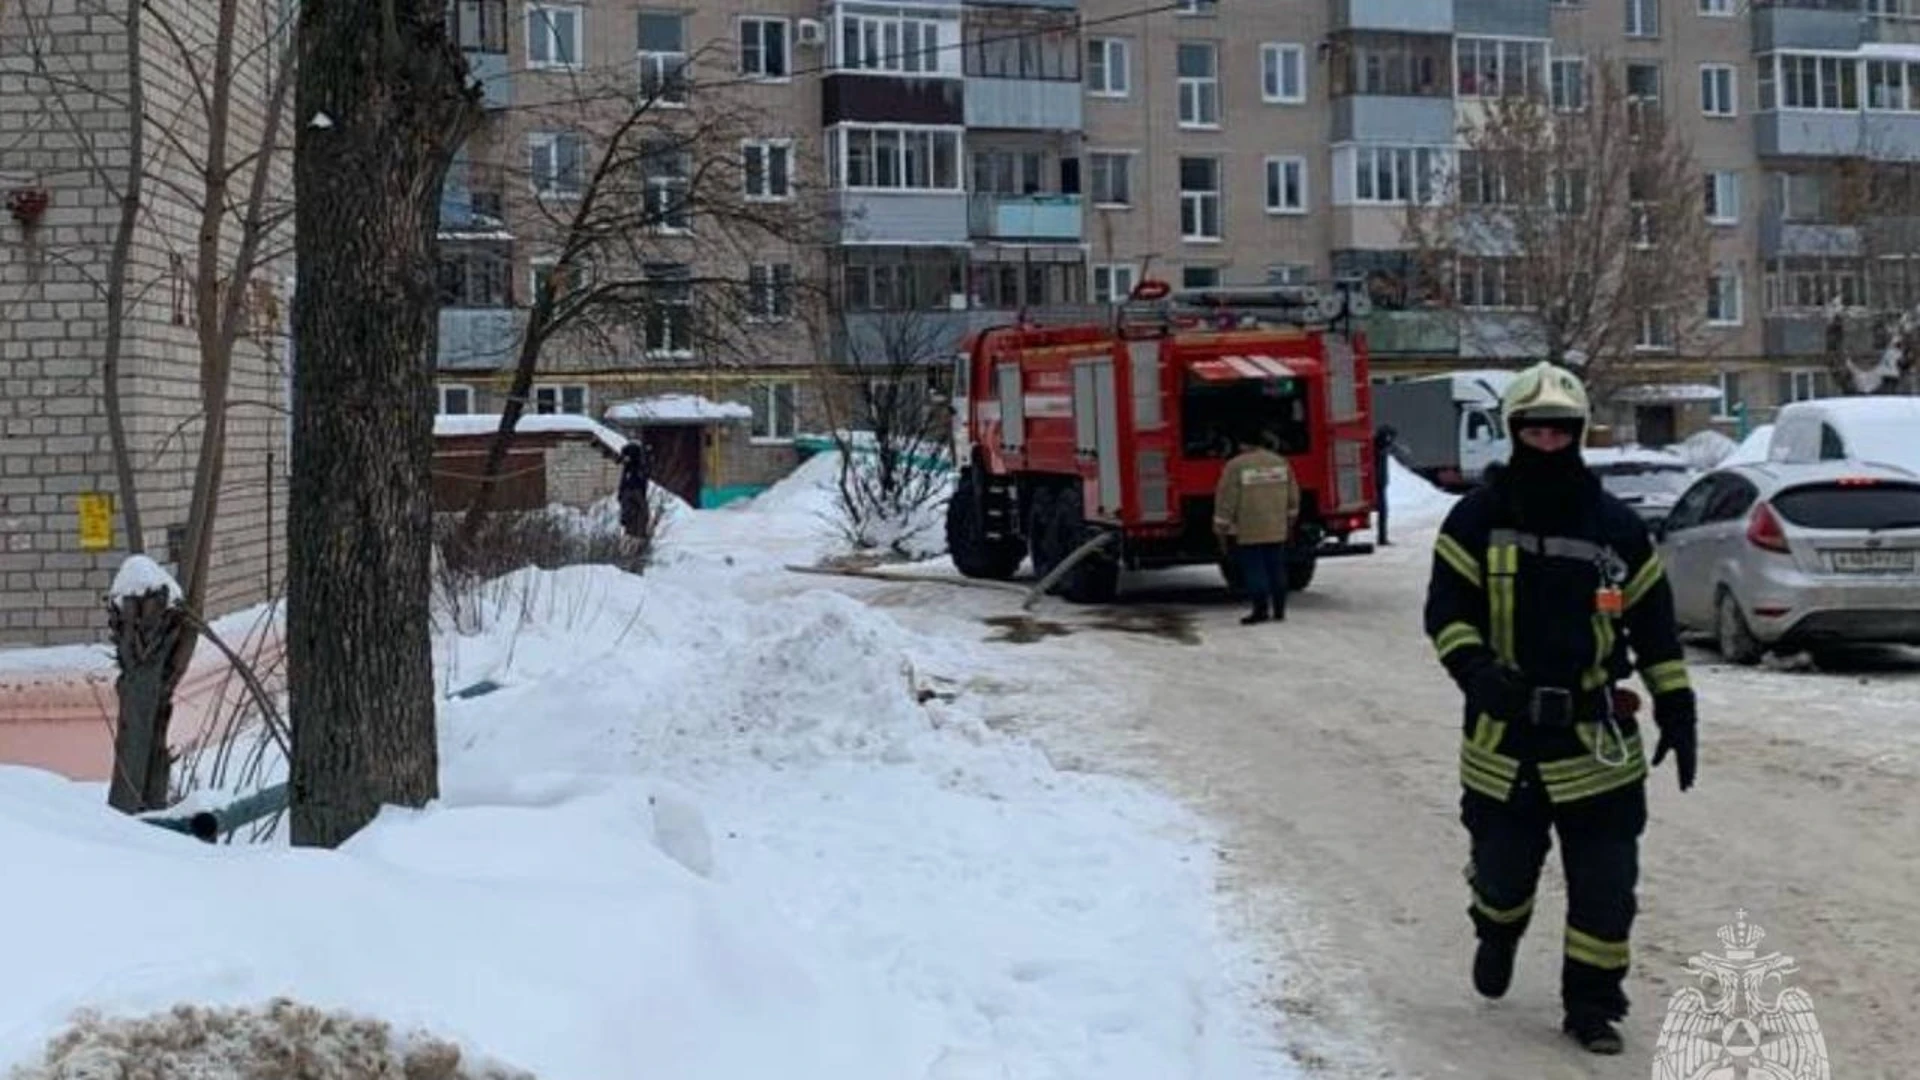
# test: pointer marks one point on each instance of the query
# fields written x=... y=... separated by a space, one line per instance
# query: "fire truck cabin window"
x=1213 y=412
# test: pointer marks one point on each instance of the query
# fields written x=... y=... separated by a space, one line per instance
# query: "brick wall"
x=580 y=474
x=68 y=133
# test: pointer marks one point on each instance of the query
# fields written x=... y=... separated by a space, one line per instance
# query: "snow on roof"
x=677 y=409
x=1869 y=408
x=449 y=424
x=1669 y=393
x=1633 y=455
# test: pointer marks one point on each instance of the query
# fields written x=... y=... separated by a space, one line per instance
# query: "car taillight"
x=1764 y=531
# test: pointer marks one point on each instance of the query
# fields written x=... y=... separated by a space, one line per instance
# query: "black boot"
x=1594 y=1034
x=1493 y=966
x=1259 y=615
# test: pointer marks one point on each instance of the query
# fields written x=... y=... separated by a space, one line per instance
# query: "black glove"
x=1500 y=692
x=1676 y=715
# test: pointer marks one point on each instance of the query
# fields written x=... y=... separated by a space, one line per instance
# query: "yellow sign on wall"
x=96 y=521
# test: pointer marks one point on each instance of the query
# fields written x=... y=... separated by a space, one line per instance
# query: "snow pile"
x=140 y=575
x=701 y=829
x=1706 y=449
x=676 y=409
x=1753 y=449
x=1411 y=500
x=448 y=425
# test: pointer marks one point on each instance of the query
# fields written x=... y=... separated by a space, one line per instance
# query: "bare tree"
x=215 y=157
x=1866 y=288
x=1574 y=231
x=651 y=237
x=384 y=100
x=882 y=373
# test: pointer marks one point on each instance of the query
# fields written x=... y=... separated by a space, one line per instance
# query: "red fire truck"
x=1120 y=429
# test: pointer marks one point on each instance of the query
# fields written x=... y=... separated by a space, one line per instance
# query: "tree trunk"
x=382 y=105
x=146 y=635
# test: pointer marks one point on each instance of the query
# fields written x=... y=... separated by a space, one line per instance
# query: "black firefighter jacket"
x=1579 y=609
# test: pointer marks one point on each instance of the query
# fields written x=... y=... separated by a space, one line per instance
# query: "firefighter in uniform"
x=1255 y=508
x=1541 y=584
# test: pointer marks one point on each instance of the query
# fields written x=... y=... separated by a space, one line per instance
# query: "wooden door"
x=677 y=457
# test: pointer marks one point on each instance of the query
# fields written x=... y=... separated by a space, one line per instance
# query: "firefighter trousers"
x=1600 y=855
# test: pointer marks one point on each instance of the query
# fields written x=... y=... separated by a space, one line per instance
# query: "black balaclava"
x=1549 y=488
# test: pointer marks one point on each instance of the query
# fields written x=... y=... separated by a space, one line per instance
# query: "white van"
x=1880 y=429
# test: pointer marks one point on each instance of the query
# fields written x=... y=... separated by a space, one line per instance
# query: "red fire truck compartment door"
x=1230 y=368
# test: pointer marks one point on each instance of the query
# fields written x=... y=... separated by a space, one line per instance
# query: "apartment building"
x=64 y=131
x=981 y=159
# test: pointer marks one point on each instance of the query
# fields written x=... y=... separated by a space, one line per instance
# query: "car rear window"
x=1851 y=506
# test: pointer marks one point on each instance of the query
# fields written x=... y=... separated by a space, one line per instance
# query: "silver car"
x=1785 y=557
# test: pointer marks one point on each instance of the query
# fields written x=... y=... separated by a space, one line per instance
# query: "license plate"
x=1873 y=562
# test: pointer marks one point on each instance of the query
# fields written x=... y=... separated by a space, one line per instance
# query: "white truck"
x=1882 y=430
x=1448 y=426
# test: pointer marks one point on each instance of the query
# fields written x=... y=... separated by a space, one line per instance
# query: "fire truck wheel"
x=1300 y=573
x=973 y=553
x=1062 y=528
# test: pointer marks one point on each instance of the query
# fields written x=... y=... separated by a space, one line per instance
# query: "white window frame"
x=543 y=143
x=1125 y=158
x=765 y=150
x=671 y=72
x=1198 y=91
x=839 y=136
x=768 y=394
x=1199 y=199
x=1579 y=66
x=1774 y=97
x=1714 y=292
x=1111 y=49
x=761 y=22
x=443 y=390
x=675 y=275
x=1114 y=274
x=556 y=393
x=1719 y=90
x=540 y=27
x=1647 y=336
x=1725 y=380
x=671 y=189
x=1274 y=56
x=884 y=50
x=1643 y=18
x=1274 y=181
x=1717 y=9
x=1354 y=163
x=773 y=283
x=1724 y=208
x=1803 y=383
x=1545 y=49
x=537 y=264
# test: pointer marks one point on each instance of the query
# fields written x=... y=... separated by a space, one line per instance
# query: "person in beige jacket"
x=1255 y=508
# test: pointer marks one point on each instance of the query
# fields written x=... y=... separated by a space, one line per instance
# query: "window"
x=1716 y=7
x=1196 y=7
x=1199 y=198
x=1283 y=78
x=1489 y=177
x=455 y=399
x=1643 y=18
x=1007 y=172
x=668 y=172
x=1569 y=191
x=475 y=276
x=1730 y=396
x=1495 y=68
x=1286 y=185
x=479 y=25
x=773 y=411
x=1643 y=99
x=1803 y=384
x=539 y=270
x=1199 y=277
x=899 y=46
x=1893 y=86
x=1037 y=49
x=1107 y=67
x=668 y=325
x=1199 y=85
x=1723 y=198
x=663 y=58
x=558 y=162
x=1113 y=282
x=1806 y=283
x=767 y=171
x=1389 y=175
x=568 y=398
x=895 y=158
x=1717 y=89
x=1110 y=179
x=1723 y=298
x=1396 y=65
x=1656 y=330
x=1567 y=82
x=1810 y=82
x=770 y=291
x=553 y=36
x=1492 y=283
x=763 y=48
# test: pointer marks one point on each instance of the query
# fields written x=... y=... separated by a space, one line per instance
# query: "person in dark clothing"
x=636 y=468
x=1541 y=584
x=1382 y=454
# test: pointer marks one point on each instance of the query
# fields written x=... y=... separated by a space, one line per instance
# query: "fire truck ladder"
x=1241 y=306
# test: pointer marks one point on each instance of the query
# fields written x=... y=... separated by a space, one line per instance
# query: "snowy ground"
x=717 y=822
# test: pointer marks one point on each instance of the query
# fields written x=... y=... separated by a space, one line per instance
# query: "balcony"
x=850 y=97
x=489 y=69
x=1881 y=136
x=1412 y=333
x=1024 y=217
x=1024 y=104
x=932 y=337
x=1410 y=16
x=902 y=217
x=1505 y=18
x=1808 y=25
x=466 y=210
x=1369 y=118
x=1781 y=237
x=479 y=339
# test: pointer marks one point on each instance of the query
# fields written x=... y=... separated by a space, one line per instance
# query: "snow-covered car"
x=1778 y=556
x=1648 y=480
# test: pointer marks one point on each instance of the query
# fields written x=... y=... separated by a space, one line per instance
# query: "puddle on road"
x=1174 y=626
